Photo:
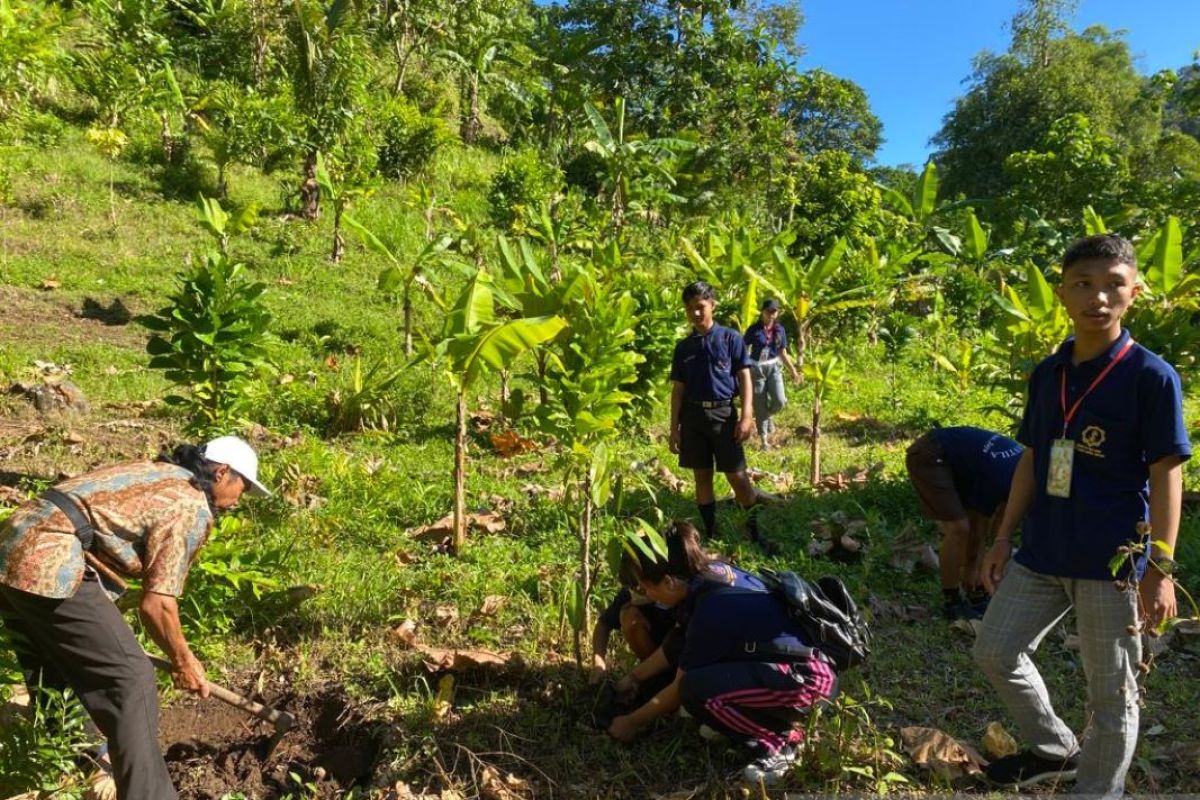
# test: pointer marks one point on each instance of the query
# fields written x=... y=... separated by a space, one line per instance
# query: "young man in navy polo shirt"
x=962 y=476
x=1105 y=440
x=710 y=368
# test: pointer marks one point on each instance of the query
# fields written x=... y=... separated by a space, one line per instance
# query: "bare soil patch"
x=47 y=316
x=213 y=749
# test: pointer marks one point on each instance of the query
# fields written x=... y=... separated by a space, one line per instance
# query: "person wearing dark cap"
x=65 y=553
x=767 y=343
x=709 y=369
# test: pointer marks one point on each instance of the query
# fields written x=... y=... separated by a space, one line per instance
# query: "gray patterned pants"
x=1026 y=607
x=769 y=397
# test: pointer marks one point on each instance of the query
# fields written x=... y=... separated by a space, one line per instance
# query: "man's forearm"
x=1166 y=498
x=1020 y=496
x=746 y=390
x=160 y=613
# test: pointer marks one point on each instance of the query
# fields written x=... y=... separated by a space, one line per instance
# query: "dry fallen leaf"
x=445 y=616
x=941 y=753
x=487 y=521
x=405 y=633
x=50 y=284
x=438 y=658
x=405 y=557
x=490 y=605
x=494 y=787
x=670 y=480
x=997 y=742
x=510 y=443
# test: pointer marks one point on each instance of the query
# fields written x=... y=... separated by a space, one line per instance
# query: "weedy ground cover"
x=72 y=283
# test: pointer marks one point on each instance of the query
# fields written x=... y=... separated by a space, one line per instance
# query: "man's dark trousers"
x=86 y=641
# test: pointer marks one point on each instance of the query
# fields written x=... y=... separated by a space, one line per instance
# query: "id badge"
x=1062 y=461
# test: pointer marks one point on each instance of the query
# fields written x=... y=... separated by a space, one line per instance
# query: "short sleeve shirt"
x=149 y=520
x=982 y=463
x=765 y=343
x=707 y=364
x=1131 y=419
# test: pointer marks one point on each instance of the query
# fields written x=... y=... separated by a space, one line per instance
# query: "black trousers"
x=84 y=643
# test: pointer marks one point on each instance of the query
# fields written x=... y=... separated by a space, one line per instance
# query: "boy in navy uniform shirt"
x=962 y=476
x=710 y=368
x=1105 y=441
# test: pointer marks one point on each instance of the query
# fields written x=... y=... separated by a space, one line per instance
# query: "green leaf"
x=925 y=193
x=1093 y=223
x=575 y=604
x=1115 y=563
x=977 y=237
x=1164 y=548
x=373 y=242
x=614 y=548
x=749 y=303
x=1041 y=296
x=498 y=347
x=1167 y=269
x=899 y=201
x=475 y=307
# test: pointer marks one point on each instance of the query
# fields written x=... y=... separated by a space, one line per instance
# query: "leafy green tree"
x=591 y=373
x=832 y=113
x=1075 y=167
x=340 y=192
x=30 y=51
x=836 y=198
x=212 y=338
x=241 y=127
x=731 y=256
x=1014 y=99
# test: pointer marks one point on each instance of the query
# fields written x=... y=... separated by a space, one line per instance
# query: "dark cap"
x=771 y=304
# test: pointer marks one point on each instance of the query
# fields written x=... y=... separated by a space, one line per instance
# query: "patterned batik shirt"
x=149 y=520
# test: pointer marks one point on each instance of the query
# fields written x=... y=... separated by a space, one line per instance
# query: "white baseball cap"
x=239 y=456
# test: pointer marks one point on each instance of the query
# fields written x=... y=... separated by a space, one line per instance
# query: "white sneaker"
x=771 y=769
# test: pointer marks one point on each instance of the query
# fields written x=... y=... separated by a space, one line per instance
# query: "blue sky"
x=911 y=56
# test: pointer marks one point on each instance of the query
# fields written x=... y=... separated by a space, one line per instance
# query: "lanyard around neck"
x=1062 y=394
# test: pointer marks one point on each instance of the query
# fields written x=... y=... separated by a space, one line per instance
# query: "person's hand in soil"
x=623 y=728
x=189 y=676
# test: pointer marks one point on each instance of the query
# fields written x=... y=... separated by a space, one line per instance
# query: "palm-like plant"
x=731 y=257
x=823 y=375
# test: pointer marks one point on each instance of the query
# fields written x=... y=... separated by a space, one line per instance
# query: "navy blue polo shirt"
x=982 y=463
x=1133 y=418
x=725 y=621
x=707 y=364
x=658 y=616
x=765 y=344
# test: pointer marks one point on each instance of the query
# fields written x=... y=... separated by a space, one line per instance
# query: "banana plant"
x=962 y=362
x=731 y=258
x=628 y=159
x=400 y=278
x=807 y=290
x=823 y=374
x=1164 y=273
x=529 y=291
x=474 y=340
x=340 y=194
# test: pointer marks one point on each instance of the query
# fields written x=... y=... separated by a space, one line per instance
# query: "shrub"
x=526 y=180
x=408 y=139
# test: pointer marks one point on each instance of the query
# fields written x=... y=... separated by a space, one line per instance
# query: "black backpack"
x=826 y=613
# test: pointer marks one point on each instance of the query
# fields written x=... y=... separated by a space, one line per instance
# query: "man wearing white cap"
x=64 y=553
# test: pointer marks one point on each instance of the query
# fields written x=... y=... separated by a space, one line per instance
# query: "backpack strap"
x=84 y=530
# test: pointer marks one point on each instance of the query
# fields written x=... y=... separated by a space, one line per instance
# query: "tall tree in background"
x=832 y=113
x=1015 y=98
x=328 y=71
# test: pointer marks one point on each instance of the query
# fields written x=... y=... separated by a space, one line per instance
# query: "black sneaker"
x=1027 y=768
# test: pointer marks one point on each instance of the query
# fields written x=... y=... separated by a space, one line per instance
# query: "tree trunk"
x=470 y=125
x=429 y=217
x=814 y=473
x=585 y=568
x=408 y=327
x=222 y=182
x=339 y=241
x=460 y=474
x=503 y=392
x=402 y=58
x=310 y=191
x=166 y=139
x=801 y=343
x=543 y=395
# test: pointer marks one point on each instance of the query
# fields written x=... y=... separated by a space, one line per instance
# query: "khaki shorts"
x=933 y=479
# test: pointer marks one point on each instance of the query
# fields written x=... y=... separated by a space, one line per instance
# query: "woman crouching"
x=742 y=667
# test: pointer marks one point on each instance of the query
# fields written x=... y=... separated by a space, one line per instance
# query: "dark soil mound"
x=213 y=749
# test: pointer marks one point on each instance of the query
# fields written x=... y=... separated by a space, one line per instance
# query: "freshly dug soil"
x=213 y=749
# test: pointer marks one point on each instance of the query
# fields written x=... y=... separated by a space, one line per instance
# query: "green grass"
x=371 y=488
